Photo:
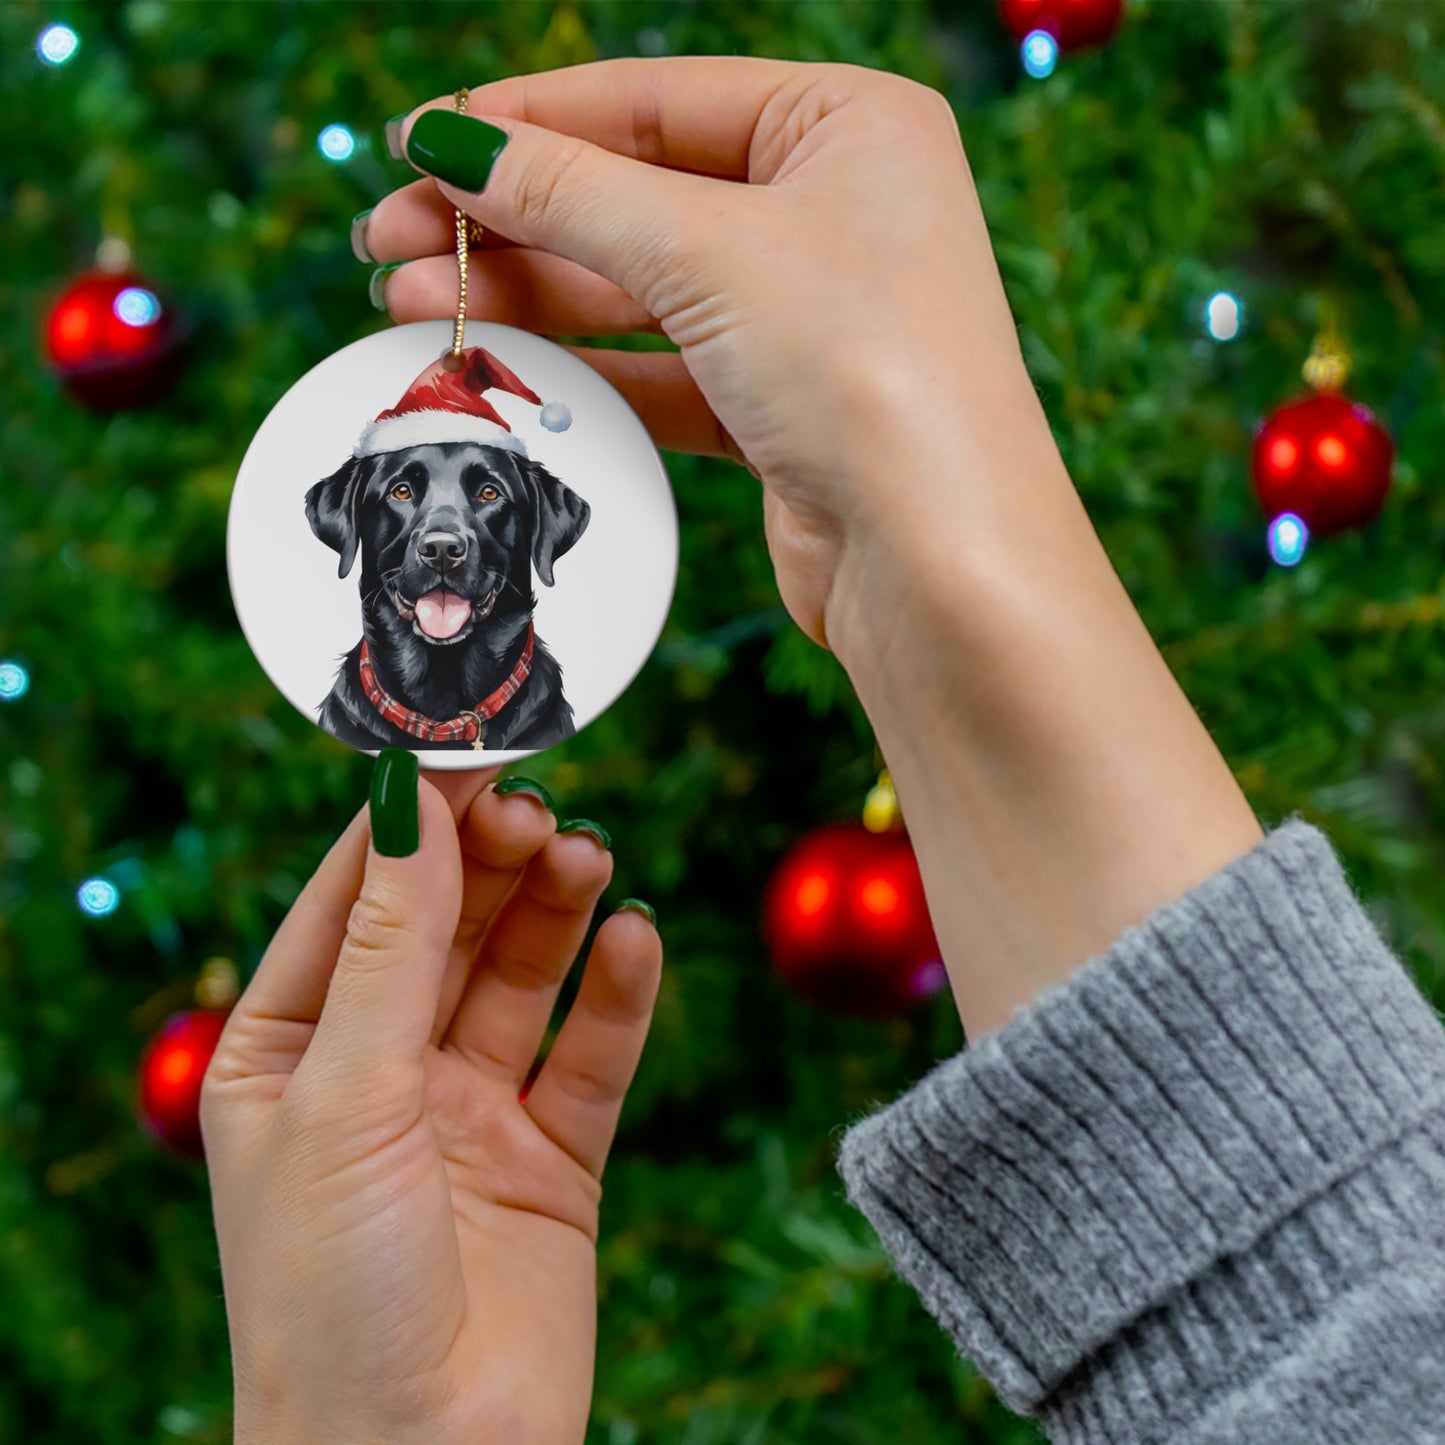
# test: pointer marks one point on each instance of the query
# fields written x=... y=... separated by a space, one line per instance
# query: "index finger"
x=695 y=113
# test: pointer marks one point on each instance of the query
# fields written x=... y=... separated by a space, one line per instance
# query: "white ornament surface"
x=612 y=590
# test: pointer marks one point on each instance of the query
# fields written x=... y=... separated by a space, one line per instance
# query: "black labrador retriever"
x=447 y=533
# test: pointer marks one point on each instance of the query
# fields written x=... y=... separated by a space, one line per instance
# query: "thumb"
x=382 y=999
x=632 y=223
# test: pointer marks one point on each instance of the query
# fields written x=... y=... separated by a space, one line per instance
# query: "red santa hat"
x=448 y=406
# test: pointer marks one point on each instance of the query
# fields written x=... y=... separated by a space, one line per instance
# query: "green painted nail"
x=455 y=148
x=359 y=248
x=376 y=287
x=636 y=905
x=395 y=812
x=392 y=132
x=586 y=825
x=532 y=789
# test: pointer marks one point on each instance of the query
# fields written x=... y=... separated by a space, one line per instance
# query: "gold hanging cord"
x=469 y=233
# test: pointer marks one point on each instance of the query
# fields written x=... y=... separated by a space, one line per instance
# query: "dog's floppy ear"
x=333 y=507
x=559 y=516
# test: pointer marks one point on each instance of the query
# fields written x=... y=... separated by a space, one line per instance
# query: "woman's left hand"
x=407 y=1235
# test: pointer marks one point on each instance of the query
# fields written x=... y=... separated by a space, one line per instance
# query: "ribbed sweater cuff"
x=1142 y=1165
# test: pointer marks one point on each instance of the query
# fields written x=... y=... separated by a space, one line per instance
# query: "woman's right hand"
x=840 y=316
x=843 y=329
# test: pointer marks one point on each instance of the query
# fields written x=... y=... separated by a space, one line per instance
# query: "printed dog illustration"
x=448 y=515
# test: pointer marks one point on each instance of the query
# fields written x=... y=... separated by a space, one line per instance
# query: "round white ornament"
x=469 y=563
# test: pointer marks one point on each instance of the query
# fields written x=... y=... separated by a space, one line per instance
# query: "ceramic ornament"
x=466 y=552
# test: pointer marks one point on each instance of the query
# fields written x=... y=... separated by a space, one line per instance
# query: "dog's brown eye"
x=489 y=494
x=401 y=492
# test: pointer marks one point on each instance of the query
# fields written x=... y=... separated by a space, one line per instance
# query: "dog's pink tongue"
x=442 y=613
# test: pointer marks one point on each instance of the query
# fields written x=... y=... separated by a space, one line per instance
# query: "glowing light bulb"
x=1288 y=538
x=137 y=307
x=336 y=143
x=1223 y=316
x=14 y=681
x=929 y=978
x=57 y=44
x=98 y=897
x=1040 y=52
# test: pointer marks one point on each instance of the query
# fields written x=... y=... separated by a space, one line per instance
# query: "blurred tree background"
x=1286 y=153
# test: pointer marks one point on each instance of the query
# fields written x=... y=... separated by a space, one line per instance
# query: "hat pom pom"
x=556 y=416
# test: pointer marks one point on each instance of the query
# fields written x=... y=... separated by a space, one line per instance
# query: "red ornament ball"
x=112 y=341
x=1073 y=23
x=171 y=1072
x=847 y=924
x=1326 y=459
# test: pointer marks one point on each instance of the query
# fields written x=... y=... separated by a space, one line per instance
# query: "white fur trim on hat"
x=431 y=428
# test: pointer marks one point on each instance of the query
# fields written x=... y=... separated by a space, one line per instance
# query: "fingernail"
x=376 y=287
x=586 y=825
x=393 y=136
x=532 y=789
x=359 y=248
x=636 y=905
x=395 y=813
x=455 y=148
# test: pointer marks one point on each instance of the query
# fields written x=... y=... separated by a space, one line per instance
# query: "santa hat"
x=448 y=406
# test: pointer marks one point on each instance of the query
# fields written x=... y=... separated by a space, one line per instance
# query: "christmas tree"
x=1179 y=214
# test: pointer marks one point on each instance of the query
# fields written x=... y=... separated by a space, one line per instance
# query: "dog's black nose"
x=442 y=550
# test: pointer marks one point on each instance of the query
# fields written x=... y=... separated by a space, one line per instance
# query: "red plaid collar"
x=467 y=726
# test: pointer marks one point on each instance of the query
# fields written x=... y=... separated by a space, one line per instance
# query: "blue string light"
x=57 y=44
x=1040 y=52
x=1223 y=316
x=336 y=143
x=1288 y=538
x=14 y=681
x=137 y=307
x=98 y=897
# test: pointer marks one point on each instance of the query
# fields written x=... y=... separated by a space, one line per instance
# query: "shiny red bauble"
x=1324 y=458
x=1073 y=23
x=112 y=341
x=847 y=924
x=171 y=1072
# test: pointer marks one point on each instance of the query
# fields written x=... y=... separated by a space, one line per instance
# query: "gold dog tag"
x=479 y=742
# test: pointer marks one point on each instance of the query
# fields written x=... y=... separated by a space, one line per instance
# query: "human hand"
x=810 y=237
x=842 y=303
x=407 y=1246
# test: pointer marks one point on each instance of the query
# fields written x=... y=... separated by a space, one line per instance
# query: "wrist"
x=279 y=1430
x=940 y=526
x=1057 y=784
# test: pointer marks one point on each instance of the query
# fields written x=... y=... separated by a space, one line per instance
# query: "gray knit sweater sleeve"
x=1197 y=1191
